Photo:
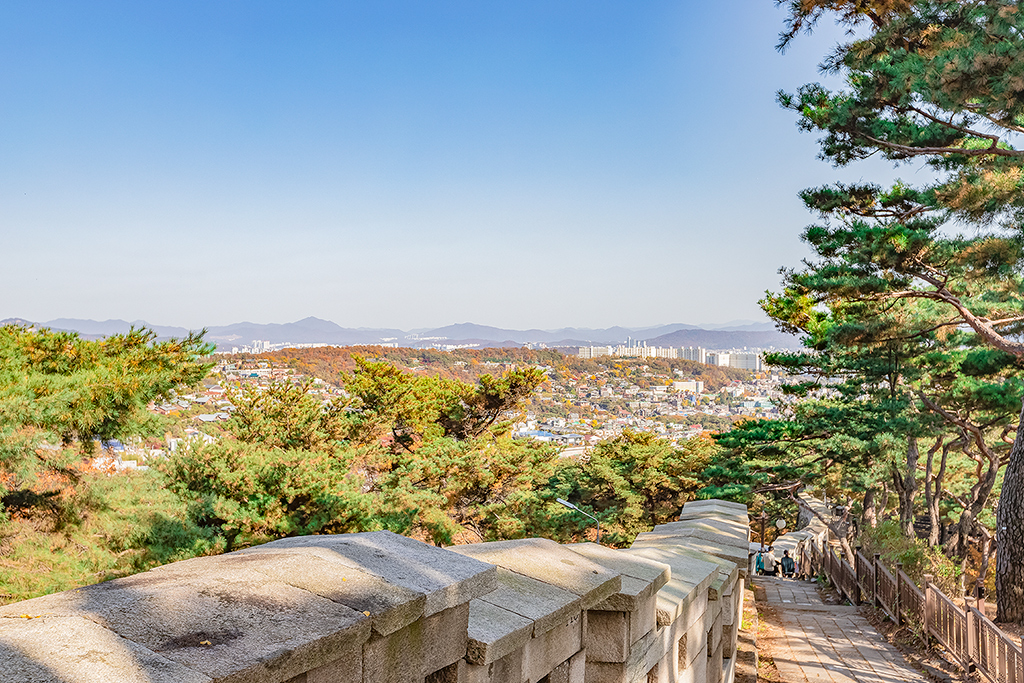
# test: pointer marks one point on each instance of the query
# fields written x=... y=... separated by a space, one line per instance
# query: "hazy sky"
x=520 y=163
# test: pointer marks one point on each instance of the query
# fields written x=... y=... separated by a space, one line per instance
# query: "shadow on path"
x=815 y=642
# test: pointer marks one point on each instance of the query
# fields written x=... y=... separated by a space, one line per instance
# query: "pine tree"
x=942 y=82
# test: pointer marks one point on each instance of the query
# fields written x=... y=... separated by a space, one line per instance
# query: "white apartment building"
x=741 y=360
x=719 y=358
x=693 y=353
x=746 y=360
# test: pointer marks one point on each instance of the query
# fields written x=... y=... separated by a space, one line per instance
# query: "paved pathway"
x=821 y=643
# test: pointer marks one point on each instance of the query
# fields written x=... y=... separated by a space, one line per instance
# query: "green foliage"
x=942 y=81
x=913 y=553
x=634 y=482
x=250 y=494
x=58 y=389
x=406 y=409
x=122 y=524
x=461 y=490
x=284 y=415
x=80 y=389
x=418 y=455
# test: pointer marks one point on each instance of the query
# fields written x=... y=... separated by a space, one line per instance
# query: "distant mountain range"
x=315 y=330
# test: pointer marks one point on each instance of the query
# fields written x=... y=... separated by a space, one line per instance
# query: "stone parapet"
x=381 y=608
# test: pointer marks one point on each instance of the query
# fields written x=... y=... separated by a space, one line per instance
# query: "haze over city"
x=400 y=164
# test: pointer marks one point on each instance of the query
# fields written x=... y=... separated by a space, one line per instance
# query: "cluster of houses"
x=602 y=406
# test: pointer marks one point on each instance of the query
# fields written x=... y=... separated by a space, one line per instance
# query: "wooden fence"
x=973 y=641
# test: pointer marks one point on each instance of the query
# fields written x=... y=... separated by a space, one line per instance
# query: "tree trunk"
x=957 y=547
x=986 y=556
x=868 y=519
x=882 y=501
x=1010 y=536
x=906 y=487
x=933 y=482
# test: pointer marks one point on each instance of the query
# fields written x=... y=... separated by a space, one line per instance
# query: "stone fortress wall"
x=381 y=608
x=812 y=530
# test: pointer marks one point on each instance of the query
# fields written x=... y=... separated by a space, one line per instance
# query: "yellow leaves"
x=205 y=642
x=366 y=613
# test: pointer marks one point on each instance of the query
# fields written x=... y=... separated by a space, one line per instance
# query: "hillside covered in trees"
x=428 y=454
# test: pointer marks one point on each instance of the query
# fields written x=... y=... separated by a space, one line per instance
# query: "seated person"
x=771 y=565
x=788 y=565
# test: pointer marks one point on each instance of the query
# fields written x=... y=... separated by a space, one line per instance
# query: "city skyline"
x=519 y=165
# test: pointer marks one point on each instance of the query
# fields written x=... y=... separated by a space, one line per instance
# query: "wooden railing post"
x=856 y=577
x=875 y=584
x=899 y=591
x=970 y=625
x=929 y=606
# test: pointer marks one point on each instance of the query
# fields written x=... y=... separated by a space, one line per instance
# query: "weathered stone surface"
x=494 y=632
x=571 y=670
x=643 y=619
x=446 y=578
x=632 y=593
x=727 y=576
x=294 y=611
x=644 y=655
x=738 y=555
x=422 y=648
x=715 y=664
x=733 y=531
x=445 y=637
x=691 y=578
x=453 y=673
x=713 y=513
x=641 y=578
x=395 y=658
x=697 y=671
x=343 y=670
x=739 y=508
x=233 y=626
x=508 y=669
x=543 y=653
x=577 y=667
x=607 y=636
x=551 y=563
x=61 y=649
x=325 y=573
x=542 y=603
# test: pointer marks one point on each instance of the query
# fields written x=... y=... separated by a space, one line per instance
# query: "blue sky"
x=401 y=163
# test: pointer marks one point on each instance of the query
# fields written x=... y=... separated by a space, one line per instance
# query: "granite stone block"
x=494 y=632
x=46 y=649
x=551 y=563
x=231 y=625
x=445 y=637
x=447 y=579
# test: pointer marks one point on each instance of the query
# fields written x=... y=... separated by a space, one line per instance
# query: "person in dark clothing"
x=788 y=565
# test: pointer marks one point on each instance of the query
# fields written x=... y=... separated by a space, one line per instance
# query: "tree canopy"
x=57 y=390
x=943 y=82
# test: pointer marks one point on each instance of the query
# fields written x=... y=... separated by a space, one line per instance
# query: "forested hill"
x=317 y=331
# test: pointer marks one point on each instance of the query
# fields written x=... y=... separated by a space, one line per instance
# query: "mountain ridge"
x=312 y=330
